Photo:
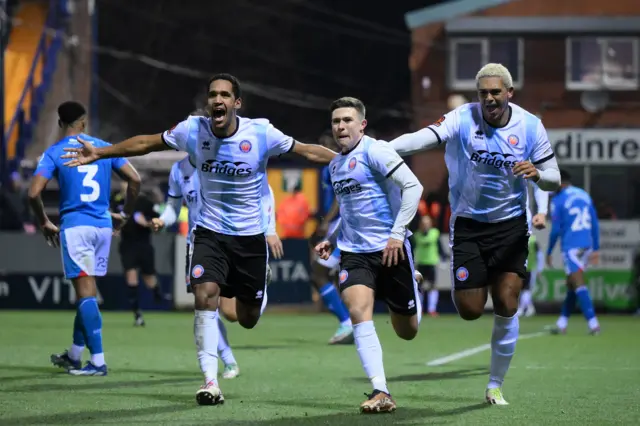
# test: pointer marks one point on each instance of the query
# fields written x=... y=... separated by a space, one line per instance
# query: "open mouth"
x=218 y=114
x=491 y=108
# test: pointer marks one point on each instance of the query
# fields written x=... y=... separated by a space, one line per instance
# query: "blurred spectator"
x=292 y=214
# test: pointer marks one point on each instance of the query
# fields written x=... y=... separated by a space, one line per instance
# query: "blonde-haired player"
x=494 y=148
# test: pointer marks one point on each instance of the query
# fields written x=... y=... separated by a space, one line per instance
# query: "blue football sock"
x=586 y=305
x=569 y=303
x=332 y=301
x=78 y=332
x=92 y=322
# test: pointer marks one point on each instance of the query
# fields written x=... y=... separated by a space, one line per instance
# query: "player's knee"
x=470 y=314
x=359 y=313
x=249 y=319
x=206 y=296
x=505 y=305
x=407 y=331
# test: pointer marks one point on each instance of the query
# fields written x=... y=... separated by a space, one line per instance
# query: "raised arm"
x=174 y=138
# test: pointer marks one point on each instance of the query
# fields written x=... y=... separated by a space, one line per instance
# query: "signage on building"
x=596 y=146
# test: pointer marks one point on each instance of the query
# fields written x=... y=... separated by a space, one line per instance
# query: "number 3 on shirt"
x=90 y=171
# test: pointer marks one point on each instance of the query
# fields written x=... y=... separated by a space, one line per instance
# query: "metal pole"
x=4 y=30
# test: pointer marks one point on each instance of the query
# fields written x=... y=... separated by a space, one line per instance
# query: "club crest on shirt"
x=352 y=163
x=197 y=271
x=513 y=140
x=245 y=146
x=462 y=273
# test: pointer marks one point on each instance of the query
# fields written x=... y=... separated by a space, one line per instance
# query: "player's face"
x=494 y=97
x=347 y=126
x=222 y=103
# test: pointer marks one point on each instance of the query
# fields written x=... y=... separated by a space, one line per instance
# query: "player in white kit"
x=378 y=196
x=230 y=255
x=184 y=185
x=493 y=148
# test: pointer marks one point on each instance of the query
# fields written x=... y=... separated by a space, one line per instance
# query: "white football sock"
x=205 y=330
x=75 y=352
x=503 y=346
x=432 y=298
x=224 y=349
x=370 y=352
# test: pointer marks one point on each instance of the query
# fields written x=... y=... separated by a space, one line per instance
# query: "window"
x=595 y=63
x=621 y=202
x=468 y=55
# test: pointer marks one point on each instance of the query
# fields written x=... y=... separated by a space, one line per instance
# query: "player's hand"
x=157 y=224
x=118 y=222
x=324 y=250
x=594 y=258
x=527 y=170
x=275 y=244
x=393 y=252
x=84 y=155
x=549 y=261
x=51 y=234
x=539 y=221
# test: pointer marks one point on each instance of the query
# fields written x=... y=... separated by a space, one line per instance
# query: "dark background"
x=292 y=57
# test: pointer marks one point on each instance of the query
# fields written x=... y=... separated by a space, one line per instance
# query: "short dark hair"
x=565 y=176
x=70 y=111
x=349 y=102
x=231 y=79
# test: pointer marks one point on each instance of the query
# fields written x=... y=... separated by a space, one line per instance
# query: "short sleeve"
x=175 y=191
x=447 y=127
x=118 y=163
x=277 y=142
x=384 y=159
x=541 y=150
x=46 y=166
x=177 y=136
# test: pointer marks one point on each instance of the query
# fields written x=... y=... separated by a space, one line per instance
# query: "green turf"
x=290 y=376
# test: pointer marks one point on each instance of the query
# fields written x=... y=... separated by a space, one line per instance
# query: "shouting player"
x=575 y=222
x=85 y=230
x=493 y=148
x=230 y=251
x=378 y=197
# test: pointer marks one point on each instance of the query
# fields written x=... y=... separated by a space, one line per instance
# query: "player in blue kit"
x=230 y=254
x=324 y=272
x=85 y=230
x=575 y=222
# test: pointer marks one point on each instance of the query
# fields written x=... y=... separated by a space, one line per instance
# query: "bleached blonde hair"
x=495 y=70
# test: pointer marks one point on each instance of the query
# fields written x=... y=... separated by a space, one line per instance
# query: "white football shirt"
x=184 y=184
x=369 y=202
x=480 y=157
x=231 y=171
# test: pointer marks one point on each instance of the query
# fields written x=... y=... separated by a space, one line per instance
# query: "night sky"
x=302 y=53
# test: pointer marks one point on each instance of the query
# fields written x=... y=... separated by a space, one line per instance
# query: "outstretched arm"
x=421 y=140
x=312 y=152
